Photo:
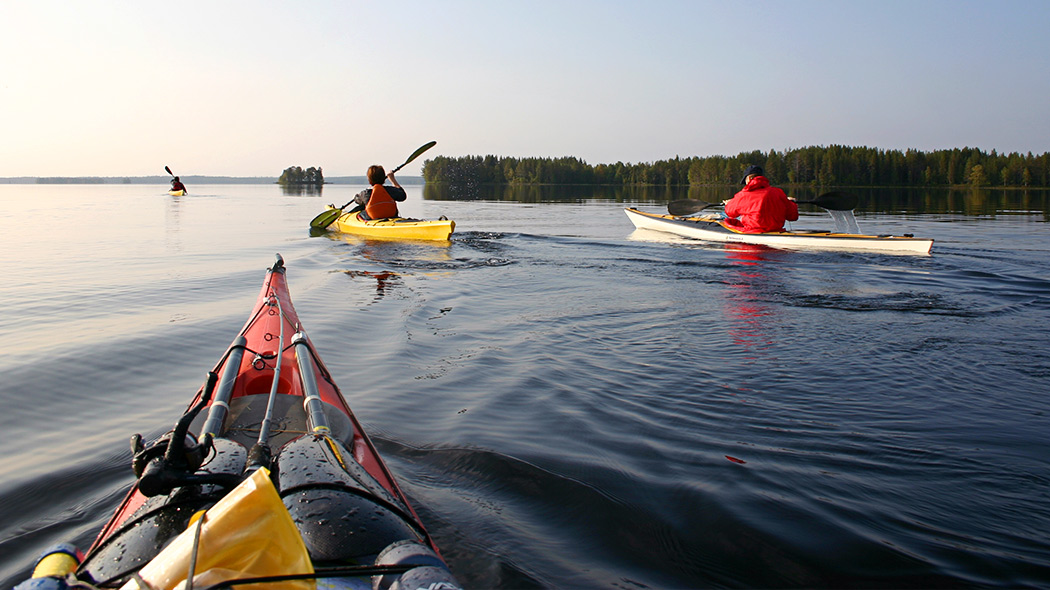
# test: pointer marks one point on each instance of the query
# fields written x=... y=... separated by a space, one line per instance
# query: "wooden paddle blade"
x=687 y=207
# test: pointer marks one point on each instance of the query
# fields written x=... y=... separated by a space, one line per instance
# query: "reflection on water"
x=299 y=190
x=172 y=233
x=965 y=201
x=384 y=280
x=744 y=307
x=395 y=250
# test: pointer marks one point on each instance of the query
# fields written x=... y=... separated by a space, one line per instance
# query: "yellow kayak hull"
x=176 y=193
x=397 y=228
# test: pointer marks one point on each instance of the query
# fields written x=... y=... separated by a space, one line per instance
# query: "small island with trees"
x=295 y=176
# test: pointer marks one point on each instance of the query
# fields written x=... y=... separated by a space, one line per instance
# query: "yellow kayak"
x=399 y=228
x=178 y=193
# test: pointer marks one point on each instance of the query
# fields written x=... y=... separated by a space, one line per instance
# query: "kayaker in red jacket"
x=759 y=207
x=379 y=201
x=177 y=185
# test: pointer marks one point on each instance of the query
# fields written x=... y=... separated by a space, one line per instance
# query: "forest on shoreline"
x=833 y=165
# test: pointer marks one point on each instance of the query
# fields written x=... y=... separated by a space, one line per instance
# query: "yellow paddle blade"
x=247 y=534
x=325 y=218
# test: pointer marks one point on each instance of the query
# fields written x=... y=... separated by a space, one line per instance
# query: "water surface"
x=567 y=401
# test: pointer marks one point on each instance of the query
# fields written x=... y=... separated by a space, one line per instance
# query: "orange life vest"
x=380 y=204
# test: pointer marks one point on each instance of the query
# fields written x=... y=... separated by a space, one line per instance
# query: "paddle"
x=326 y=218
x=833 y=201
x=688 y=206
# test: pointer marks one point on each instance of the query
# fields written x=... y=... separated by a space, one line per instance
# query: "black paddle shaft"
x=833 y=201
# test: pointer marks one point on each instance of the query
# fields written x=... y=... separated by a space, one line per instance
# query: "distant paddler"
x=176 y=185
x=177 y=188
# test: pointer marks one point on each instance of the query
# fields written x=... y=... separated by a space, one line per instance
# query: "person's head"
x=376 y=174
x=751 y=172
x=176 y=179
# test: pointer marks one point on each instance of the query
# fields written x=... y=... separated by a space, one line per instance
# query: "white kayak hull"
x=713 y=231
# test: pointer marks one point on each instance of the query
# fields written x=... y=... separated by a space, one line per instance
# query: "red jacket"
x=760 y=208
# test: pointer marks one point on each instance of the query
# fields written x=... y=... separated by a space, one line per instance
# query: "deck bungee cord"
x=260 y=454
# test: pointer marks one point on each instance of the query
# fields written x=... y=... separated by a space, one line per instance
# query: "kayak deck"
x=395 y=227
x=707 y=229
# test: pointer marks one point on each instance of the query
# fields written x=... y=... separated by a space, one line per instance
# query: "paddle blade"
x=835 y=201
x=168 y=170
x=325 y=218
x=687 y=207
x=415 y=155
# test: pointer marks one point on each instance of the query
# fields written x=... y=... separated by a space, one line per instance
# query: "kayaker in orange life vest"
x=759 y=207
x=379 y=201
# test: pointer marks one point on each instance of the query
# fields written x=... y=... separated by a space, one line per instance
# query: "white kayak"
x=712 y=230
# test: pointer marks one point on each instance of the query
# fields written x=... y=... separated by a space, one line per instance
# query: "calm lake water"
x=568 y=402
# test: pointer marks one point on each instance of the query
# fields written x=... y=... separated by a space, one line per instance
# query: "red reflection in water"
x=748 y=254
x=383 y=280
x=744 y=307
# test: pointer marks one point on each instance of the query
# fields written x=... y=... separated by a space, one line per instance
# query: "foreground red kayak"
x=268 y=476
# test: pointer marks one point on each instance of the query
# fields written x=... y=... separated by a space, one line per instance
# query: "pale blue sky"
x=247 y=88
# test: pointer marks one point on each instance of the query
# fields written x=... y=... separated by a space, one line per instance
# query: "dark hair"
x=376 y=174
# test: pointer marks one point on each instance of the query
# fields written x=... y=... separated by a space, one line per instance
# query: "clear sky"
x=248 y=88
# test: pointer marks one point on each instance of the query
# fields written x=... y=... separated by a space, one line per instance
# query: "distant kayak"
x=177 y=193
x=394 y=227
x=704 y=228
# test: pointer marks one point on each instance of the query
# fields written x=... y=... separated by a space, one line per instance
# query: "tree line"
x=295 y=175
x=815 y=165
